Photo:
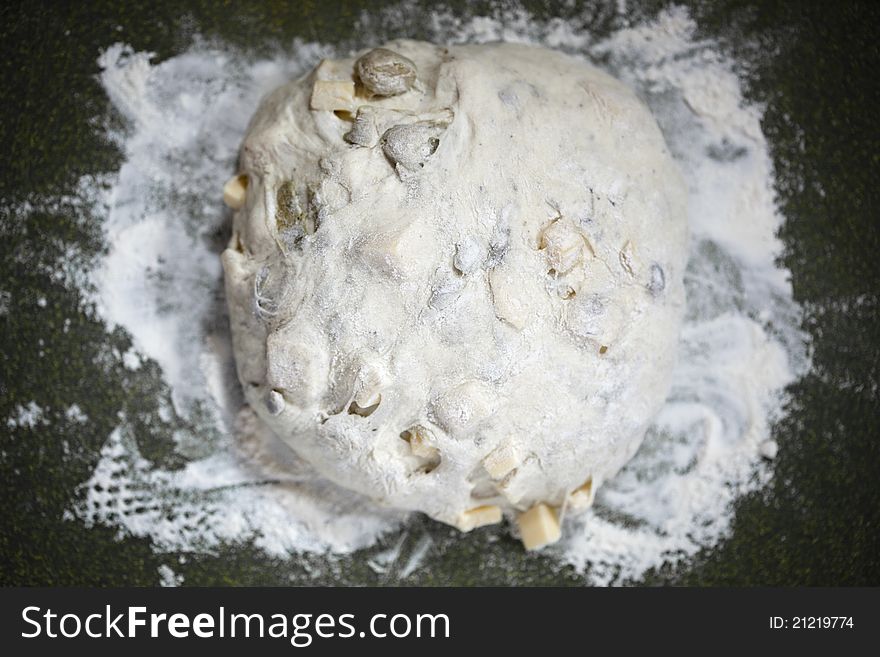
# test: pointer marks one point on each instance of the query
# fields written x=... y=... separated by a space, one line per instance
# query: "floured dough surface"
x=463 y=296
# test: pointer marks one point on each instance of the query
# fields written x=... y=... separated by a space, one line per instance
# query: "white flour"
x=161 y=282
x=26 y=416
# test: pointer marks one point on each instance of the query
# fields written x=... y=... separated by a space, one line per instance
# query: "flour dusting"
x=160 y=280
x=28 y=416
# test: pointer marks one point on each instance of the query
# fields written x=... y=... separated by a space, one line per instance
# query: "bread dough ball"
x=463 y=299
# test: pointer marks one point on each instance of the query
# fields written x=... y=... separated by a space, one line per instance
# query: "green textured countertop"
x=818 y=522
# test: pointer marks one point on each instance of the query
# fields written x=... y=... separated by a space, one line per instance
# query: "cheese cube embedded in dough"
x=582 y=497
x=332 y=95
x=365 y=409
x=333 y=69
x=488 y=514
x=538 y=527
x=235 y=191
x=367 y=398
x=501 y=461
x=419 y=445
x=564 y=245
x=371 y=380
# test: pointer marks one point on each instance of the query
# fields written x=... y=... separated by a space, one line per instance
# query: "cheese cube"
x=367 y=398
x=501 y=461
x=564 y=245
x=538 y=527
x=418 y=443
x=488 y=514
x=235 y=191
x=366 y=408
x=332 y=95
x=581 y=497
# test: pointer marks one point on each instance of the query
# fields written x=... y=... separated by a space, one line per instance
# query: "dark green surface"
x=815 y=65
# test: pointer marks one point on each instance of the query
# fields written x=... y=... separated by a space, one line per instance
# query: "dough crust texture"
x=462 y=297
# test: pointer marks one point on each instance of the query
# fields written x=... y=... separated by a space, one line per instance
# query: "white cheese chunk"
x=235 y=191
x=582 y=496
x=501 y=461
x=538 y=527
x=420 y=445
x=332 y=95
x=488 y=514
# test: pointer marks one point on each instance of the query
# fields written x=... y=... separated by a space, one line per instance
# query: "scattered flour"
x=161 y=281
x=131 y=360
x=168 y=577
x=75 y=414
x=26 y=416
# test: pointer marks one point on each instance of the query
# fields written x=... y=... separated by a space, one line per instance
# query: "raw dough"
x=462 y=293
